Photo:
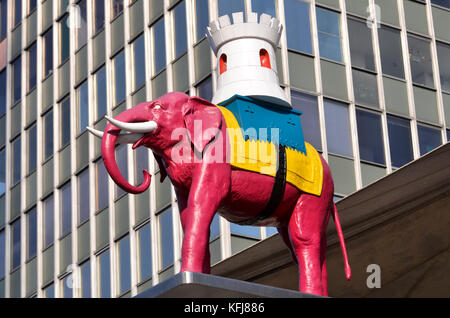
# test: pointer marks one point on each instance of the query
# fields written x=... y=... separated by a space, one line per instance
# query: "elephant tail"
x=348 y=271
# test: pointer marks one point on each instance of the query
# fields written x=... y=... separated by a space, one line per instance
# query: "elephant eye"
x=157 y=107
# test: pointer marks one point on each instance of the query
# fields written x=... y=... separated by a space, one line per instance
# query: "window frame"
x=31 y=213
x=81 y=219
x=113 y=12
x=139 y=249
x=46 y=213
x=96 y=29
x=66 y=102
x=115 y=78
x=79 y=111
x=45 y=129
x=61 y=24
x=137 y=69
x=176 y=54
x=47 y=39
x=32 y=78
x=65 y=215
x=415 y=37
x=30 y=147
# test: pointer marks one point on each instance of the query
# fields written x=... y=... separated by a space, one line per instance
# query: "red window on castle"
x=265 y=59
x=223 y=63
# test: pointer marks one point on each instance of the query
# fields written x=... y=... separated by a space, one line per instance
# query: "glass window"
x=250 y=231
x=2 y=93
x=230 y=6
x=298 y=29
x=64 y=39
x=139 y=62
x=443 y=52
x=429 y=138
x=329 y=34
x=159 y=46
x=101 y=184
x=17 y=12
x=122 y=161
x=17 y=80
x=116 y=8
x=31 y=233
x=2 y=171
x=145 y=252
x=442 y=3
x=119 y=78
x=48 y=53
x=141 y=163
x=104 y=275
x=49 y=292
x=337 y=128
x=100 y=92
x=86 y=280
x=361 y=50
x=264 y=6
x=65 y=122
x=391 y=51
x=81 y=31
x=124 y=264
x=15 y=240
x=214 y=228
x=32 y=148
x=83 y=107
x=31 y=5
x=32 y=67
x=66 y=209
x=67 y=290
x=4 y=19
x=166 y=238
x=366 y=88
x=99 y=15
x=202 y=17
x=400 y=142
x=16 y=161
x=83 y=196
x=370 y=137
x=2 y=254
x=49 y=220
x=179 y=21
x=48 y=135
x=420 y=59
x=307 y=104
x=204 y=89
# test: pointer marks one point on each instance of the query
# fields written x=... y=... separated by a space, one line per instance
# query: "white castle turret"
x=246 y=60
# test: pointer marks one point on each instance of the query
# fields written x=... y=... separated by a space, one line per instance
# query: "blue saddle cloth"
x=257 y=118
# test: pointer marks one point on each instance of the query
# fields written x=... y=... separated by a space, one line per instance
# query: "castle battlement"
x=222 y=31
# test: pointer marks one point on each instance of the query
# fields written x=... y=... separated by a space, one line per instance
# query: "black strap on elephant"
x=277 y=194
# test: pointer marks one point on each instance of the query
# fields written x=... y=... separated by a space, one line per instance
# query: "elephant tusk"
x=142 y=127
x=127 y=138
x=95 y=132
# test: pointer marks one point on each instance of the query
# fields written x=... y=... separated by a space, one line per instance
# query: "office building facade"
x=371 y=77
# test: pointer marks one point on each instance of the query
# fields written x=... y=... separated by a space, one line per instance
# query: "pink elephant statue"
x=206 y=183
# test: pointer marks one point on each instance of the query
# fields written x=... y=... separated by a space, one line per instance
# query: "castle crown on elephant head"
x=246 y=58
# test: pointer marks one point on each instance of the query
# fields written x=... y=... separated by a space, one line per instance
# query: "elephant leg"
x=324 y=268
x=210 y=185
x=307 y=232
x=182 y=206
x=284 y=233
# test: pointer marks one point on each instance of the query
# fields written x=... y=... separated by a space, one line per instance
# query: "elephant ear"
x=162 y=168
x=199 y=116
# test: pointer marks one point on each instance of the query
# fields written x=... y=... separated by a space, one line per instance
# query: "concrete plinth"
x=195 y=285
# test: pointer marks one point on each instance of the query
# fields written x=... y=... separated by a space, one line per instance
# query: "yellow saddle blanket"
x=303 y=171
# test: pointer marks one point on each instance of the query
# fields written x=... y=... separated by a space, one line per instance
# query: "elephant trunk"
x=109 y=141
